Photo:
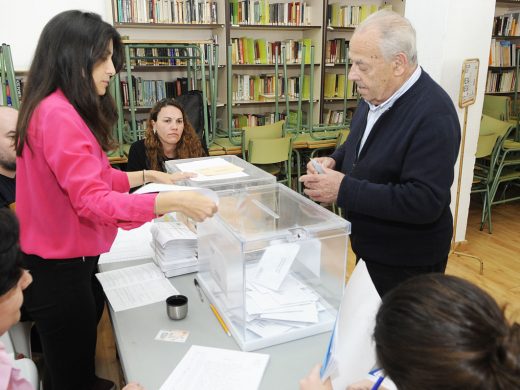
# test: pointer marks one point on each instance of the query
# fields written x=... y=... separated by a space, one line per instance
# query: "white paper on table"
x=159 y=187
x=130 y=245
x=201 y=166
x=217 y=369
x=275 y=264
x=131 y=287
x=306 y=313
x=355 y=349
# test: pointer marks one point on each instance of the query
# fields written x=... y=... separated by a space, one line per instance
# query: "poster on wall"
x=468 y=82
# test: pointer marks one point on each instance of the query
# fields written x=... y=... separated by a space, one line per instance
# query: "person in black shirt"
x=8 y=118
x=169 y=135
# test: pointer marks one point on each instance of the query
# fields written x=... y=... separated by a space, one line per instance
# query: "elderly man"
x=393 y=174
x=8 y=118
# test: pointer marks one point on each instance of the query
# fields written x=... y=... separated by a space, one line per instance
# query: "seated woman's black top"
x=137 y=160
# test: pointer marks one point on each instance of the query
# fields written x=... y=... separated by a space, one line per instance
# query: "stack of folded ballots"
x=175 y=248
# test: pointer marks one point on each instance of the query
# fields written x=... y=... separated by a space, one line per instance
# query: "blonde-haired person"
x=168 y=136
x=69 y=200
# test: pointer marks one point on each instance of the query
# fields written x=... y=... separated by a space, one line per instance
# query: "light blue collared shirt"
x=375 y=112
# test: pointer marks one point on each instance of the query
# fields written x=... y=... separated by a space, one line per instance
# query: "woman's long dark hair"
x=441 y=332
x=10 y=255
x=70 y=45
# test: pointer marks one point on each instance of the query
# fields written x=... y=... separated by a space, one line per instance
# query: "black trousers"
x=386 y=277
x=65 y=302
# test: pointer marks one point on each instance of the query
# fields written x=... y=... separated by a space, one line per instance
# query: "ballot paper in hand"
x=217 y=369
x=351 y=353
x=158 y=187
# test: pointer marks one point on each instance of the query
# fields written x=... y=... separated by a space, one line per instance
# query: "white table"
x=150 y=362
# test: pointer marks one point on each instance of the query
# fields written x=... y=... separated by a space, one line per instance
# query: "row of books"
x=261 y=51
x=336 y=117
x=242 y=120
x=9 y=92
x=262 y=88
x=336 y=51
x=168 y=56
x=337 y=84
x=167 y=11
x=292 y=13
x=147 y=92
x=502 y=53
x=500 y=81
x=506 y=25
x=339 y=15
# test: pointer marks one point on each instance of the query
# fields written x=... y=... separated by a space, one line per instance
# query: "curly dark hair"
x=189 y=146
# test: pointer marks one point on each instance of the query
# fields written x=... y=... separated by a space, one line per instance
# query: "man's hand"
x=323 y=187
x=325 y=162
x=313 y=381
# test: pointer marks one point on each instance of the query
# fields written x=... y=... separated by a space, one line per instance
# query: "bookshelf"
x=503 y=59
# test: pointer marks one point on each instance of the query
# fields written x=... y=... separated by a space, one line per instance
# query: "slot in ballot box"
x=273 y=263
x=220 y=172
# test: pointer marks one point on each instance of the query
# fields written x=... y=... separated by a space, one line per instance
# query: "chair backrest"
x=485 y=145
x=269 y=150
x=273 y=130
x=497 y=106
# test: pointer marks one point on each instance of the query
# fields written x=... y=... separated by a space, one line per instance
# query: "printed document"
x=212 y=169
x=131 y=287
x=130 y=245
x=217 y=369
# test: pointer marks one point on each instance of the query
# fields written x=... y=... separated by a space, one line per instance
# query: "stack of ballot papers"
x=175 y=248
x=276 y=301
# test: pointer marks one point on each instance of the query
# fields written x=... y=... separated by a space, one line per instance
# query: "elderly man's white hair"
x=396 y=34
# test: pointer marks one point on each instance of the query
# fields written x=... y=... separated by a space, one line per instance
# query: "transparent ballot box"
x=220 y=172
x=273 y=263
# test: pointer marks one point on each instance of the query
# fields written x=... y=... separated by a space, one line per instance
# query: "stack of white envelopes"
x=276 y=301
x=175 y=248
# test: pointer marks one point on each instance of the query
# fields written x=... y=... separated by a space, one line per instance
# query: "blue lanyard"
x=380 y=378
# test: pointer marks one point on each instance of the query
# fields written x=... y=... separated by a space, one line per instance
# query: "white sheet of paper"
x=355 y=349
x=306 y=313
x=210 y=163
x=130 y=245
x=158 y=187
x=275 y=264
x=217 y=369
x=267 y=328
x=131 y=287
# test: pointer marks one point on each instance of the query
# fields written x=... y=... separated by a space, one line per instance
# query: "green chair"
x=498 y=107
x=492 y=169
x=273 y=155
x=273 y=130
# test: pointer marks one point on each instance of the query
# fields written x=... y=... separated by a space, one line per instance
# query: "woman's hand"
x=313 y=381
x=167 y=178
x=192 y=204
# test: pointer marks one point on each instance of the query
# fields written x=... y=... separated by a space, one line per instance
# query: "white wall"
x=448 y=32
x=21 y=23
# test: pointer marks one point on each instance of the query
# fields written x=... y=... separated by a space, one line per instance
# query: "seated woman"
x=438 y=331
x=13 y=280
x=168 y=136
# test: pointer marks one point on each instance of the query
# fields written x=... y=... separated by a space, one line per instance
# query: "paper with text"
x=130 y=245
x=159 y=187
x=275 y=264
x=204 y=368
x=212 y=169
x=131 y=287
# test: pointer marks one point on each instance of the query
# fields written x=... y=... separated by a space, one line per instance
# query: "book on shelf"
x=270 y=12
x=167 y=11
